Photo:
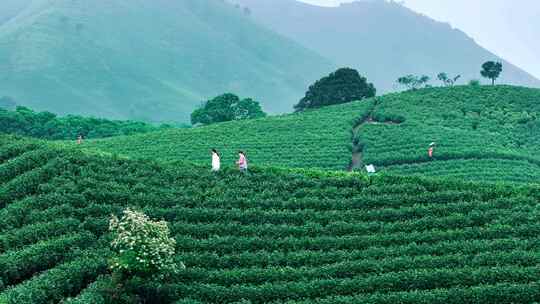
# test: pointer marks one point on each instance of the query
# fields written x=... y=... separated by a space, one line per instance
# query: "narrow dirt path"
x=356 y=141
x=357 y=150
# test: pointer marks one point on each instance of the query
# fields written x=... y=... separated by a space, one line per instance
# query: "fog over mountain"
x=145 y=59
x=157 y=60
x=510 y=29
x=383 y=40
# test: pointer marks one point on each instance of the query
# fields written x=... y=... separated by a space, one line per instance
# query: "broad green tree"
x=491 y=70
x=342 y=86
x=45 y=125
x=227 y=107
x=247 y=109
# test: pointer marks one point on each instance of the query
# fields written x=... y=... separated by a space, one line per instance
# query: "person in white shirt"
x=216 y=160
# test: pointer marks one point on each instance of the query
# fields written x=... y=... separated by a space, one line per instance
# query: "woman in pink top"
x=242 y=162
x=431 y=149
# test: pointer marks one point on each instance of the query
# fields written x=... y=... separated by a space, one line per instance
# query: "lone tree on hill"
x=413 y=82
x=227 y=107
x=342 y=86
x=491 y=70
x=447 y=81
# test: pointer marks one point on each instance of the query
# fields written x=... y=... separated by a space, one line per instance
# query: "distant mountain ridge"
x=382 y=39
x=157 y=60
x=11 y=9
x=153 y=60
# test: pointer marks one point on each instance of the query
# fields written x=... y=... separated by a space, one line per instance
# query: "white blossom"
x=142 y=245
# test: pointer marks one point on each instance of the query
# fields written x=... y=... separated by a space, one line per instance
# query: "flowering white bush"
x=143 y=247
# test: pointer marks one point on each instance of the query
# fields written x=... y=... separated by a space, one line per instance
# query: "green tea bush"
x=276 y=236
x=467 y=123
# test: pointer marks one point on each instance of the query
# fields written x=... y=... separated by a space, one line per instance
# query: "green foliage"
x=57 y=283
x=413 y=82
x=94 y=293
x=46 y=125
x=342 y=86
x=280 y=235
x=399 y=132
x=448 y=81
x=227 y=107
x=491 y=70
x=474 y=83
x=311 y=139
x=142 y=247
x=195 y=49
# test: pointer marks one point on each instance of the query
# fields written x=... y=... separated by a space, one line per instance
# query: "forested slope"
x=46 y=125
x=153 y=60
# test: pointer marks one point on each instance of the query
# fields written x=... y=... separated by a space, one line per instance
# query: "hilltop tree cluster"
x=448 y=81
x=227 y=107
x=342 y=86
x=413 y=82
x=490 y=69
x=45 y=125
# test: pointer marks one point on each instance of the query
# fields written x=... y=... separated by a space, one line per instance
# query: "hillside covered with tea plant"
x=482 y=133
x=275 y=236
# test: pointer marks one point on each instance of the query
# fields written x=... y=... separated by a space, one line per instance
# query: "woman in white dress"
x=216 y=160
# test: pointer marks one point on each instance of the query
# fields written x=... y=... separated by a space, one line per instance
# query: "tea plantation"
x=318 y=139
x=482 y=133
x=274 y=236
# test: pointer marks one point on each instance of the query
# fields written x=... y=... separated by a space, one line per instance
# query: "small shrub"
x=474 y=83
x=142 y=247
x=475 y=124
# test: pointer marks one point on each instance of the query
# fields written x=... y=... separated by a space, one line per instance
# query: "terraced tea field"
x=487 y=132
x=275 y=236
x=318 y=139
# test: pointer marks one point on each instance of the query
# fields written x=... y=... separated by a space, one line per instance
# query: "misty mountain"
x=145 y=59
x=383 y=40
x=10 y=9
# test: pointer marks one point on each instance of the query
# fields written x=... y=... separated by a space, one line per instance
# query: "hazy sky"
x=509 y=28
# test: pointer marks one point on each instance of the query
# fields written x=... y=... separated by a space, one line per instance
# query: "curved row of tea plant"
x=473 y=169
x=495 y=131
x=469 y=124
x=311 y=139
x=274 y=236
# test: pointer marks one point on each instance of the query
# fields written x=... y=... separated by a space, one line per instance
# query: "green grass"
x=275 y=236
x=483 y=133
